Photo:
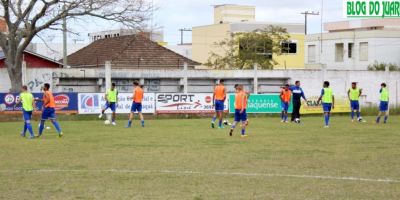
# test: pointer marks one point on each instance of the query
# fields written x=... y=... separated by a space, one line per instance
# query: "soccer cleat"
x=221 y=127
x=127 y=126
x=60 y=134
x=113 y=123
x=326 y=126
x=212 y=125
x=22 y=134
x=244 y=136
x=282 y=121
x=100 y=116
x=231 y=132
x=31 y=137
x=40 y=135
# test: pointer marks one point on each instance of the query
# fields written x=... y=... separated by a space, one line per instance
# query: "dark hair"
x=25 y=87
x=221 y=81
x=287 y=85
x=46 y=85
x=297 y=82
x=113 y=84
x=236 y=85
x=136 y=83
x=354 y=83
x=383 y=84
x=326 y=83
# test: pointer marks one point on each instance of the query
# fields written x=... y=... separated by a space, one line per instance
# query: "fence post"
x=108 y=74
x=24 y=72
x=185 y=78
x=255 y=80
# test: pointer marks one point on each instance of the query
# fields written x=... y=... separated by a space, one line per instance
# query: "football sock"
x=378 y=119
x=25 y=127
x=29 y=127
x=129 y=123
x=142 y=122
x=386 y=118
x=326 y=120
x=41 y=127
x=243 y=131
x=352 y=114
x=57 y=126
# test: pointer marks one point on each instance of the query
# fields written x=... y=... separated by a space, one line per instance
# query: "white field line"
x=385 y=180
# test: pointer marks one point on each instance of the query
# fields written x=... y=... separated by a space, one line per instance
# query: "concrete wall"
x=165 y=81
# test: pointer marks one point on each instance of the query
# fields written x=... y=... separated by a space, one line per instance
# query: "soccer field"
x=186 y=159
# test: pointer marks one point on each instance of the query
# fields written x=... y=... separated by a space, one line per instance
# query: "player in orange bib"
x=219 y=104
x=137 y=99
x=240 y=110
x=49 y=112
x=285 y=96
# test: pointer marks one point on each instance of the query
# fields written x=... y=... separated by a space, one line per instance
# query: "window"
x=363 y=51
x=339 y=52
x=350 y=50
x=289 y=47
x=311 y=53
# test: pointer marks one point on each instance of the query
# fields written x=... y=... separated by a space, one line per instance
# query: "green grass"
x=185 y=159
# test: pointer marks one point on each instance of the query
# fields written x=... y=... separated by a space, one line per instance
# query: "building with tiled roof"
x=132 y=51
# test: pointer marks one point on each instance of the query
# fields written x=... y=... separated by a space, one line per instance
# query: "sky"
x=172 y=15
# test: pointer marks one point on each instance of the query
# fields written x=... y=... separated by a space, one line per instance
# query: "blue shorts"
x=136 y=107
x=327 y=107
x=111 y=106
x=49 y=113
x=27 y=115
x=219 y=105
x=285 y=106
x=384 y=106
x=355 y=105
x=240 y=116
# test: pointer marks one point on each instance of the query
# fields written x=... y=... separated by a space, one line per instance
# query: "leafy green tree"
x=243 y=50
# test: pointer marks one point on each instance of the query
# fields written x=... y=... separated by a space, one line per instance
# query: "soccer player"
x=49 y=112
x=328 y=102
x=219 y=104
x=286 y=95
x=111 y=102
x=297 y=93
x=240 y=110
x=137 y=104
x=384 y=104
x=28 y=106
x=354 y=94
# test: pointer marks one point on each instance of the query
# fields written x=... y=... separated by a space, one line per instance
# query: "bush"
x=382 y=66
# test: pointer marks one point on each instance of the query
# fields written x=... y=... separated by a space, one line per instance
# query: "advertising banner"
x=64 y=101
x=260 y=103
x=342 y=105
x=185 y=103
x=92 y=103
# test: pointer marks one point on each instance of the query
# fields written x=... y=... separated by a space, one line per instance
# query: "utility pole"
x=64 y=27
x=184 y=30
x=306 y=13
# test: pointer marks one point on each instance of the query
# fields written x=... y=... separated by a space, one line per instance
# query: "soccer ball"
x=48 y=128
x=227 y=123
x=297 y=121
x=107 y=122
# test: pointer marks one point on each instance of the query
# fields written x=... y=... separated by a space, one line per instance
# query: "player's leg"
x=386 y=117
x=244 y=124
x=53 y=119
x=28 y=124
x=41 y=127
x=382 y=111
x=214 y=119
x=141 y=118
x=25 y=127
x=236 y=120
x=378 y=119
x=295 y=110
x=352 y=110
x=131 y=115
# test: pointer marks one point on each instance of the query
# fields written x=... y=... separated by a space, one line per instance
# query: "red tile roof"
x=127 y=51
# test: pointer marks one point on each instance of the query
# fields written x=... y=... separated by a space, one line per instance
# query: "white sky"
x=174 y=14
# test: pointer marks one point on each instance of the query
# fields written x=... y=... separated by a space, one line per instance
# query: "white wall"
x=311 y=79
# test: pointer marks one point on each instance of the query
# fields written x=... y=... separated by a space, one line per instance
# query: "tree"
x=243 y=50
x=27 y=18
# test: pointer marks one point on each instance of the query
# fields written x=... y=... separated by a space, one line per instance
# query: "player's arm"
x=281 y=95
x=213 y=100
x=34 y=106
x=106 y=96
x=303 y=95
x=333 y=101
x=224 y=94
x=348 y=94
x=243 y=101
x=116 y=100
x=361 y=91
x=320 y=97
